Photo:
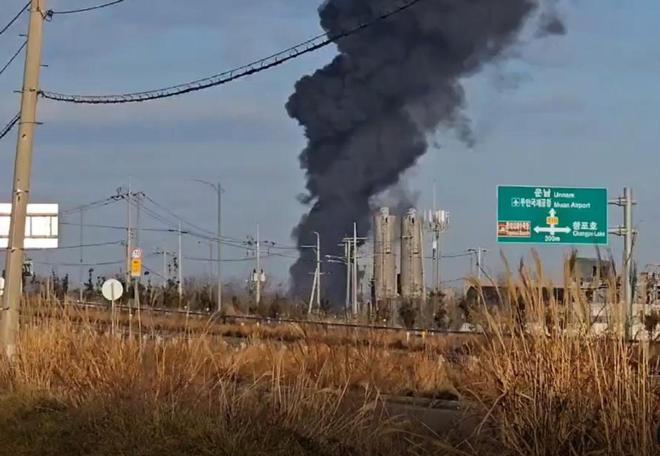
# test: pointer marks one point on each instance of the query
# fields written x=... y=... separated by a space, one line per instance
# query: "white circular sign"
x=112 y=289
x=136 y=254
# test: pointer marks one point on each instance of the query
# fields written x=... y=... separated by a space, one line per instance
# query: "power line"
x=13 y=57
x=457 y=255
x=230 y=260
x=98 y=244
x=4 y=29
x=105 y=263
x=92 y=205
x=123 y=228
x=258 y=66
x=176 y=216
x=84 y=10
x=12 y=123
x=201 y=233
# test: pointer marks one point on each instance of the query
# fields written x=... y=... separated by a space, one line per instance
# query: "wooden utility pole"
x=22 y=173
x=180 y=268
x=259 y=272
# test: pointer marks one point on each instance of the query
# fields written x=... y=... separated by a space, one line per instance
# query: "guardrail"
x=270 y=320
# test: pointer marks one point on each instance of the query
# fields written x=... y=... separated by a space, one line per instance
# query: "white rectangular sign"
x=41 y=227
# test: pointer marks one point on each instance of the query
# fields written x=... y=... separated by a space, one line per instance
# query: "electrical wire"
x=6 y=27
x=231 y=260
x=122 y=228
x=105 y=263
x=177 y=217
x=98 y=244
x=12 y=123
x=457 y=255
x=13 y=57
x=92 y=205
x=306 y=47
x=198 y=231
x=160 y=218
x=84 y=10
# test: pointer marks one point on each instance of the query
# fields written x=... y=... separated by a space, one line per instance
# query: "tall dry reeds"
x=548 y=385
x=85 y=393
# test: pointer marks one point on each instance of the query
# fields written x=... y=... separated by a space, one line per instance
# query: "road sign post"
x=112 y=290
x=628 y=233
x=552 y=215
x=136 y=273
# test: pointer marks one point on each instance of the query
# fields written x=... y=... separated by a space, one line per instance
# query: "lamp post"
x=217 y=187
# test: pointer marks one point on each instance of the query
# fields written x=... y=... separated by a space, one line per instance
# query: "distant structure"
x=412 y=258
x=385 y=274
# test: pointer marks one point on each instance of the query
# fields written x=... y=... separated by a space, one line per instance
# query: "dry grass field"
x=75 y=390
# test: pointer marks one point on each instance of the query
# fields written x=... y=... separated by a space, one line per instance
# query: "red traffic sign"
x=136 y=254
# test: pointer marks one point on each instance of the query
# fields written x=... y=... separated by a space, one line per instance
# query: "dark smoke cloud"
x=367 y=114
x=551 y=24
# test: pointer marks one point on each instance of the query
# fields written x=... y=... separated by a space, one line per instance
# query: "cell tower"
x=412 y=258
x=437 y=223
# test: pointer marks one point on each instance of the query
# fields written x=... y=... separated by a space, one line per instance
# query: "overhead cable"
x=13 y=57
x=105 y=263
x=230 y=260
x=97 y=244
x=12 y=123
x=92 y=205
x=121 y=228
x=258 y=66
x=84 y=10
x=6 y=27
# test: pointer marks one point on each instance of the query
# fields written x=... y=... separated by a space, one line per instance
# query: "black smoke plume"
x=367 y=113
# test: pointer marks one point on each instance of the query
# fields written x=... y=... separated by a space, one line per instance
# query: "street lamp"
x=217 y=187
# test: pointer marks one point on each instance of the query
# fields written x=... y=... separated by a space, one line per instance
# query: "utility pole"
x=347 y=257
x=165 y=275
x=82 y=269
x=628 y=232
x=627 y=258
x=316 y=284
x=137 y=218
x=22 y=173
x=355 y=270
x=318 y=270
x=219 y=246
x=129 y=234
x=180 y=268
x=259 y=272
x=310 y=306
x=217 y=187
x=478 y=252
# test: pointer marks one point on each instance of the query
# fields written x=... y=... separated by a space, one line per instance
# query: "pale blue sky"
x=580 y=109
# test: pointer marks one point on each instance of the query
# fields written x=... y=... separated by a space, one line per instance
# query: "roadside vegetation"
x=536 y=382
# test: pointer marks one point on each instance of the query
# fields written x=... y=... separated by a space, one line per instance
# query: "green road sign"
x=551 y=215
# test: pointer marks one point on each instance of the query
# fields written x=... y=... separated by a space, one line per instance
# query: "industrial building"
x=385 y=271
x=410 y=285
x=412 y=258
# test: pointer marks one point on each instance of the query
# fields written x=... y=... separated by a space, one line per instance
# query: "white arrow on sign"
x=552 y=229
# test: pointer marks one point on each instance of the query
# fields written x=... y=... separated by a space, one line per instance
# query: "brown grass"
x=82 y=393
x=565 y=392
x=75 y=389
